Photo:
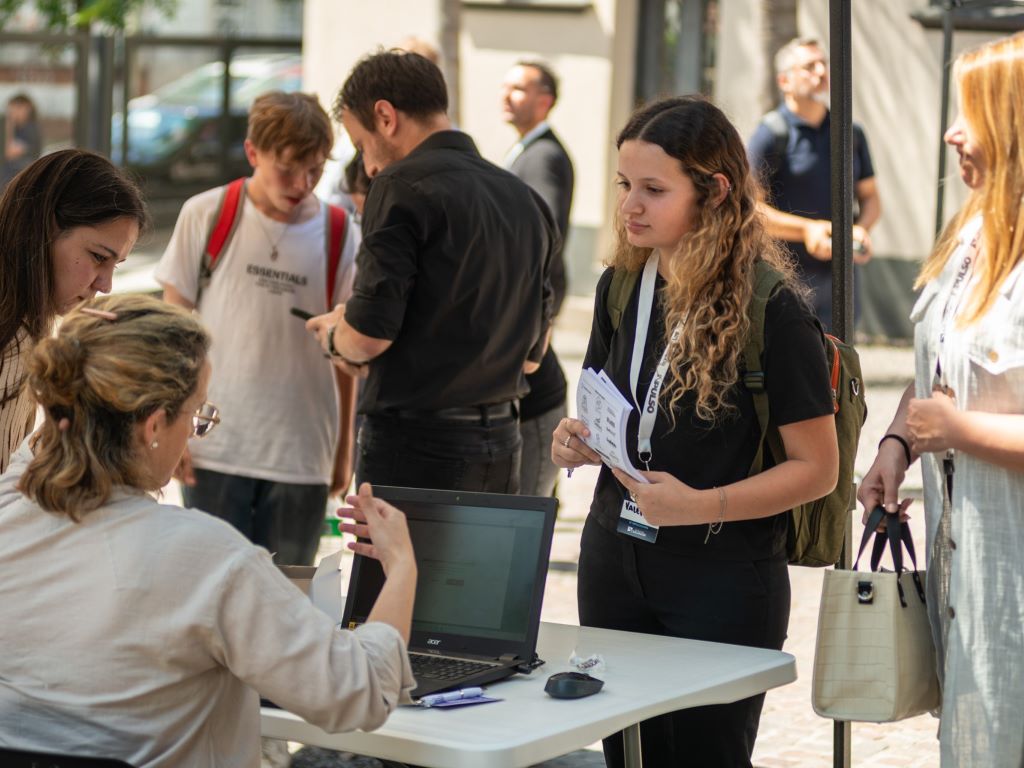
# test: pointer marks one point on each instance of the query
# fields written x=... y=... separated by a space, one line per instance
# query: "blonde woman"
x=141 y=631
x=715 y=568
x=964 y=417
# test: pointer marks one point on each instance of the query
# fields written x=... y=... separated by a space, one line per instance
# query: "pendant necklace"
x=273 y=243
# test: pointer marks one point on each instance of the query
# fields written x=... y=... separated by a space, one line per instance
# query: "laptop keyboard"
x=426 y=667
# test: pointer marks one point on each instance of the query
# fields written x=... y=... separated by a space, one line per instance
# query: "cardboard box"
x=322 y=583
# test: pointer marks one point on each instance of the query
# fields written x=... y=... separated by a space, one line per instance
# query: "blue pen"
x=439 y=698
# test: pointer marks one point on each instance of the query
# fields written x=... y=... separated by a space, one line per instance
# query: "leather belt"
x=474 y=414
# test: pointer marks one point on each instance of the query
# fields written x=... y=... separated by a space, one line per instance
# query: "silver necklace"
x=273 y=243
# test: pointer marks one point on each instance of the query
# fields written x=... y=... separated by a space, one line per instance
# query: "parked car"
x=173 y=132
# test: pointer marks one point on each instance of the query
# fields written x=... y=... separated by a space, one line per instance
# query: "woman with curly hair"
x=712 y=562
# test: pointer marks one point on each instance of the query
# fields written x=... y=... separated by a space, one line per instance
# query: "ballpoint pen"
x=440 y=698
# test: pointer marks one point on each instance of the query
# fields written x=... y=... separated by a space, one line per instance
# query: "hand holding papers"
x=604 y=410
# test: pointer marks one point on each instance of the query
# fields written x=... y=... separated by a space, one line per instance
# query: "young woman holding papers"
x=707 y=558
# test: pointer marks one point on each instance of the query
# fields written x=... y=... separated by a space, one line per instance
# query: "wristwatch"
x=333 y=351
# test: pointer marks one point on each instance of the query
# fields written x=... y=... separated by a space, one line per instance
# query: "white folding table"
x=645 y=676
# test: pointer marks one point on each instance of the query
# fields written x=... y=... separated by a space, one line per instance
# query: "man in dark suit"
x=529 y=92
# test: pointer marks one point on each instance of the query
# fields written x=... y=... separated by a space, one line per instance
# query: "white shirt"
x=982 y=713
x=138 y=632
x=275 y=391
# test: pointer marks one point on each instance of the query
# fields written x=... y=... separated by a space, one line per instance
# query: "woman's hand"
x=384 y=526
x=881 y=484
x=932 y=424
x=567 y=447
x=665 y=499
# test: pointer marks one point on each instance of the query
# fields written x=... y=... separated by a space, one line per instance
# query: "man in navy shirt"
x=791 y=152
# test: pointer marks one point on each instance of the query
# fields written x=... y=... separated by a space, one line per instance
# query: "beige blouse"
x=17 y=406
x=980 y=619
x=145 y=631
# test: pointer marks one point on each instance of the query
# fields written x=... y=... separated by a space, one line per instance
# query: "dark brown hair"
x=711 y=273
x=55 y=194
x=545 y=77
x=413 y=84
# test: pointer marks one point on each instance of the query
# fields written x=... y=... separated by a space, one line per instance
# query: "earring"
x=154 y=445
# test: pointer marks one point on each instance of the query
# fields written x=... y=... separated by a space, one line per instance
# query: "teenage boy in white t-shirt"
x=285 y=439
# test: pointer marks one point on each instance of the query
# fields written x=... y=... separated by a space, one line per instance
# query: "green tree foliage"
x=70 y=15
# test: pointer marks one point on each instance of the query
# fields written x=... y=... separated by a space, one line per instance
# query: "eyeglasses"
x=205 y=419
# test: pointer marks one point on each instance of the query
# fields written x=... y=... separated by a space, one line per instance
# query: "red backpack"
x=226 y=220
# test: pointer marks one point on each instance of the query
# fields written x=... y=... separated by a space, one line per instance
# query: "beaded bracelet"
x=899 y=439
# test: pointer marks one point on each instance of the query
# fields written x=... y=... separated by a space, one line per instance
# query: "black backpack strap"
x=766 y=281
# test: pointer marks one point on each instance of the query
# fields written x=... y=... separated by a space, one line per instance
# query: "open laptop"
x=482 y=560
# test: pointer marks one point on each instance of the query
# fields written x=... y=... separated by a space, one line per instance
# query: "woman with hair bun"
x=66 y=222
x=715 y=568
x=141 y=631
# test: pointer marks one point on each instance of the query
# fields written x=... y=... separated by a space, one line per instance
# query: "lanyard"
x=949 y=313
x=649 y=410
x=956 y=295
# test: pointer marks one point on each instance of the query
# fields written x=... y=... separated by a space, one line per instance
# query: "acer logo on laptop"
x=431 y=641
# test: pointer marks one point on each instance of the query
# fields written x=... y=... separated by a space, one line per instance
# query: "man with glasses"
x=287 y=434
x=791 y=151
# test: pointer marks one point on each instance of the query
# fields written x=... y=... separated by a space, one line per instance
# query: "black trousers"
x=630 y=585
x=446 y=455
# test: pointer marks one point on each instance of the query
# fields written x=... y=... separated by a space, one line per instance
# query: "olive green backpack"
x=816 y=528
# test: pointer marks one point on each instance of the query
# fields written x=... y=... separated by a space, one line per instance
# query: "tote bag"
x=874 y=659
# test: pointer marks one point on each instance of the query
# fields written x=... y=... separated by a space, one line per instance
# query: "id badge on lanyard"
x=939 y=383
x=631 y=520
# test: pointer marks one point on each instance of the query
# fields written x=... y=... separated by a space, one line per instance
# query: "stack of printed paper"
x=604 y=410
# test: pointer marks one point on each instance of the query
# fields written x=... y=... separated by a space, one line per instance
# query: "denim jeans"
x=537 y=472
x=286 y=518
x=445 y=455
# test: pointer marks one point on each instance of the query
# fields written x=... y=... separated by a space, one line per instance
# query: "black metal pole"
x=947 y=55
x=841 y=135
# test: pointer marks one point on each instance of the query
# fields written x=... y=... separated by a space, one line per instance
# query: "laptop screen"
x=482 y=562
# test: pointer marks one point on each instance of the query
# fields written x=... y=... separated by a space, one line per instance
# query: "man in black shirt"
x=452 y=300
x=529 y=92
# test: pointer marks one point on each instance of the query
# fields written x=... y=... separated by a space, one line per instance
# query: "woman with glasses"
x=66 y=222
x=141 y=631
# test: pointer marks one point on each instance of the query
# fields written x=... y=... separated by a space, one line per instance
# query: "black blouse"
x=700 y=454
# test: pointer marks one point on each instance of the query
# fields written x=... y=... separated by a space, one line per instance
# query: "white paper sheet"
x=605 y=411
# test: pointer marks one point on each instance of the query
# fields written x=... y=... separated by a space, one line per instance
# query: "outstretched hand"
x=383 y=525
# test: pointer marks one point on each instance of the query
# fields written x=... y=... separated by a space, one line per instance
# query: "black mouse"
x=572 y=685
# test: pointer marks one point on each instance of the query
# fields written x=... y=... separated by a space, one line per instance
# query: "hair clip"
x=102 y=314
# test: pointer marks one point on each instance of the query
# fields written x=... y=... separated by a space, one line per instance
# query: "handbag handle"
x=898 y=535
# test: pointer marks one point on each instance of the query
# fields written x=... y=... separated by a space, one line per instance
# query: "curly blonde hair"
x=98 y=378
x=711 y=272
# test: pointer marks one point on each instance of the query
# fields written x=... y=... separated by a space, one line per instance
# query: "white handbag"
x=874 y=659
